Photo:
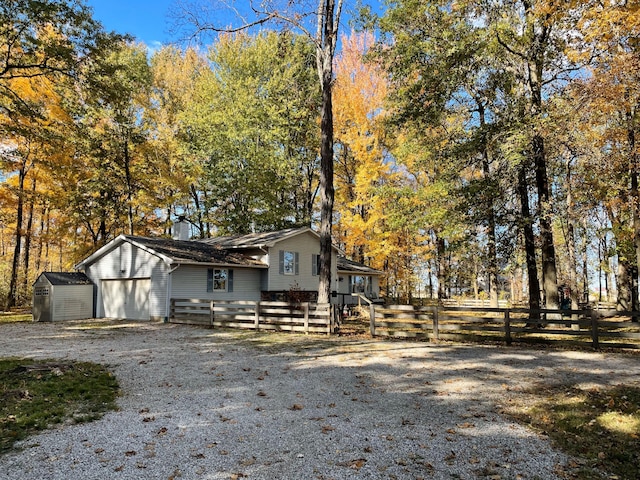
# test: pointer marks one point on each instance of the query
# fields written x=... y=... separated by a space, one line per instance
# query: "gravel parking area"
x=219 y=404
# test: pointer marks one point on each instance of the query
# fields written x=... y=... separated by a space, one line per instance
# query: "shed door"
x=126 y=298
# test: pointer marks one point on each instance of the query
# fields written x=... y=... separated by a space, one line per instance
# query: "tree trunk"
x=129 y=181
x=41 y=237
x=326 y=37
x=623 y=281
x=571 y=241
x=27 y=237
x=529 y=243
x=549 y=273
x=12 y=295
x=441 y=267
x=326 y=192
x=539 y=35
x=492 y=267
x=635 y=206
x=199 y=216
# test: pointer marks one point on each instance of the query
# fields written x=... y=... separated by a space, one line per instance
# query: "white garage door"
x=126 y=298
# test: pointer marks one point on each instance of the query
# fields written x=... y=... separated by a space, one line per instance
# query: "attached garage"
x=126 y=298
x=135 y=275
x=62 y=296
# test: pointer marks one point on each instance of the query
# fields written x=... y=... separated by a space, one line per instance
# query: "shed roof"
x=66 y=278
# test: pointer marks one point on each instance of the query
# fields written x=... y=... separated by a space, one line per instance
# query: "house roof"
x=256 y=240
x=349 y=266
x=180 y=251
x=66 y=278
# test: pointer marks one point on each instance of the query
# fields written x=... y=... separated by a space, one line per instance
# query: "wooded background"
x=484 y=148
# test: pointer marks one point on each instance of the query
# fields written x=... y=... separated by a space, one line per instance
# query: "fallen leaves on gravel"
x=466 y=425
x=356 y=464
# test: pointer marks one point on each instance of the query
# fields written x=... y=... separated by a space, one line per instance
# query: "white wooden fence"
x=278 y=316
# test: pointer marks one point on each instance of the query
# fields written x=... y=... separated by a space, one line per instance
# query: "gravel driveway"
x=220 y=404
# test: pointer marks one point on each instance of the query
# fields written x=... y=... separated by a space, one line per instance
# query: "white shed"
x=62 y=296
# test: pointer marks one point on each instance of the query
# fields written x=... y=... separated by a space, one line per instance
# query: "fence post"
x=256 y=319
x=436 y=328
x=594 y=329
x=507 y=326
x=211 y=305
x=372 y=320
x=172 y=309
x=305 y=311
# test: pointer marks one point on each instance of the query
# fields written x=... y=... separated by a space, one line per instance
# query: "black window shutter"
x=209 y=279
x=281 y=268
x=230 y=281
x=297 y=260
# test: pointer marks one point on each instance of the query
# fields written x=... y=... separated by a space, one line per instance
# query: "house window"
x=315 y=265
x=219 y=280
x=360 y=284
x=289 y=263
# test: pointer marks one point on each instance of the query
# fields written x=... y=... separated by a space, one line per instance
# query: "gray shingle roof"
x=346 y=265
x=190 y=251
x=267 y=239
x=67 y=278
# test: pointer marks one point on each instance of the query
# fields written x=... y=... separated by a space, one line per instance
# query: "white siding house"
x=191 y=281
x=132 y=281
x=292 y=256
x=356 y=279
x=137 y=277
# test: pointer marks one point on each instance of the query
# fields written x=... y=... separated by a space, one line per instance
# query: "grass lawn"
x=15 y=317
x=599 y=426
x=36 y=395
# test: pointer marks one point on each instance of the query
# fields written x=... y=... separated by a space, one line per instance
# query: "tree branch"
x=508 y=48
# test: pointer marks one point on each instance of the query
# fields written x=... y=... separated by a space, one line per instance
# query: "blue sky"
x=147 y=20
x=150 y=21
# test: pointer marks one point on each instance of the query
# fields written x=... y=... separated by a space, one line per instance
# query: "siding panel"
x=126 y=261
x=72 y=302
x=307 y=245
x=190 y=281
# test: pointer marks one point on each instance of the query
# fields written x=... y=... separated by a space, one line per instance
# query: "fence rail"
x=277 y=316
x=569 y=327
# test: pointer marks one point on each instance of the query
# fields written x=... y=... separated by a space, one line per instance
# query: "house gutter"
x=169 y=289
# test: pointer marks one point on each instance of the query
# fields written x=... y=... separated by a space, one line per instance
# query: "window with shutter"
x=289 y=263
x=219 y=280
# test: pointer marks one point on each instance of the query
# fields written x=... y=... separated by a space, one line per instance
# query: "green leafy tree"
x=494 y=63
x=252 y=124
x=113 y=176
x=178 y=175
x=324 y=37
